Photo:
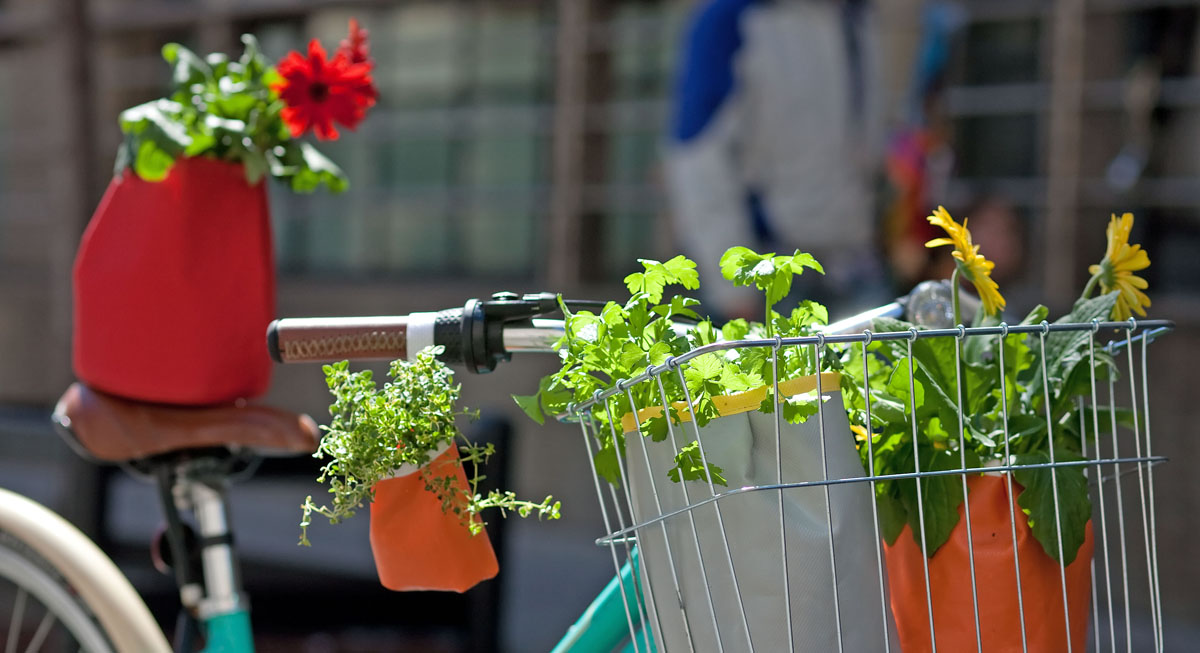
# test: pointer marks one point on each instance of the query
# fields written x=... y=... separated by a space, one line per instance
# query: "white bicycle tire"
x=119 y=611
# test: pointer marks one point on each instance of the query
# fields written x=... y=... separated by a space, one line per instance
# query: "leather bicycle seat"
x=111 y=429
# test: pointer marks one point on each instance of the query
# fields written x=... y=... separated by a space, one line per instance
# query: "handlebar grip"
x=387 y=337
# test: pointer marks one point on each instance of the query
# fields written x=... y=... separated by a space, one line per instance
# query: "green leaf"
x=690 y=466
x=151 y=162
x=682 y=271
x=678 y=306
x=808 y=314
x=1037 y=315
x=606 y=462
x=158 y=121
x=256 y=167
x=734 y=380
x=940 y=498
x=252 y=60
x=893 y=516
x=898 y=386
x=315 y=169
x=735 y=329
x=1060 y=344
x=636 y=282
x=656 y=428
x=735 y=260
x=201 y=143
x=188 y=68
x=1037 y=502
x=803 y=260
x=797 y=410
x=632 y=358
x=659 y=353
x=531 y=406
x=706 y=366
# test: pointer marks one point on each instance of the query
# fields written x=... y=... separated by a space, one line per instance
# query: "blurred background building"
x=515 y=147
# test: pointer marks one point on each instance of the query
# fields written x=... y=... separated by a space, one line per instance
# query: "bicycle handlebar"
x=484 y=332
x=480 y=334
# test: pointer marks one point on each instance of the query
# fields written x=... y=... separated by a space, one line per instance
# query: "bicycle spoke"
x=14 y=626
x=39 y=635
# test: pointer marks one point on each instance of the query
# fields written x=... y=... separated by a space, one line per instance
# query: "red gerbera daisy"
x=319 y=92
x=355 y=48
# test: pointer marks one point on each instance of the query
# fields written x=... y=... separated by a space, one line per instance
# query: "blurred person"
x=920 y=156
x=773 y=143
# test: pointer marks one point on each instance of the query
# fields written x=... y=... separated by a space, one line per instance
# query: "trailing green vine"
x=374 y=431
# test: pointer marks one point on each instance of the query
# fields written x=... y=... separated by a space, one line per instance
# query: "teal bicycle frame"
x=229 y=633
x=605 y=625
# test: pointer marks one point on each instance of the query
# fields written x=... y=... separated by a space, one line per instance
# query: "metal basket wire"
x=666 y=547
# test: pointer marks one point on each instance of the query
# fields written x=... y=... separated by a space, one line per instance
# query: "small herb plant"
x=622 y=340
x=247 y=111
x=374 y=431
x=1044 y=375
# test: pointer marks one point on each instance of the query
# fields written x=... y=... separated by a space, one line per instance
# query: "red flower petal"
x=355 y=48
x=319 y=92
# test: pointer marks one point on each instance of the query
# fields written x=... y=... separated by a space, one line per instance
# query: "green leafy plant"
x=622 y=340
x=374 y=431
x=233 y=110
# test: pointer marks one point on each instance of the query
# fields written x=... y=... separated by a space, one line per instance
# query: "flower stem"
x=962 y=373
x=955 y=286
x=1091 y=285
x=767 y=320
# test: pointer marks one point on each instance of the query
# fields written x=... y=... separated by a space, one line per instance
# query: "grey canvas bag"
x=687 y=577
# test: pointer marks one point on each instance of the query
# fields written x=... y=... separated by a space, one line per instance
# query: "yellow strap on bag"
x=741 y=402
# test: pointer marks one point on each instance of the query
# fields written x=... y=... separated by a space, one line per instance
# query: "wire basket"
x=788 y=554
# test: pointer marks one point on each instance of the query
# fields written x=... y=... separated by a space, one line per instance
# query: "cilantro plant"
x=375 y=431
x=622 y=340
x=1032 y=420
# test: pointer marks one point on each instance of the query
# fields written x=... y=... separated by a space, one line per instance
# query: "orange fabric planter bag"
x=999 y=618
x=175 y=286
x=416 y=545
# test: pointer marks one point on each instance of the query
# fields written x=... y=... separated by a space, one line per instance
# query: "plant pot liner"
x=742 y=443
x=418 y=546
x=174 y=286
x=999 y=618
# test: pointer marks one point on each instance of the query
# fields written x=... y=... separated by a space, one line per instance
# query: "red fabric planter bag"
x=416 y=545
x=999 y=617
x=175 y=286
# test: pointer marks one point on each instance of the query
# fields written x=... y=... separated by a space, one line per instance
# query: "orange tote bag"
x=999 y=617
x=418 y=546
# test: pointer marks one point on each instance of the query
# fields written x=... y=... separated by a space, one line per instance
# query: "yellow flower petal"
x=1115 y=271
x=860 y=433
x=971 y=264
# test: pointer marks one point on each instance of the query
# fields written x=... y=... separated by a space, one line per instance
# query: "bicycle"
x=698 y=570
x=193 y=454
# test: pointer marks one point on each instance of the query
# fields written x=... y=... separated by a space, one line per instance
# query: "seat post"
x=222 y=579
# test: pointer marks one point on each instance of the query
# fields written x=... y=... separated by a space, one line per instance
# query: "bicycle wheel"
x=38 y=610
x=59 y=592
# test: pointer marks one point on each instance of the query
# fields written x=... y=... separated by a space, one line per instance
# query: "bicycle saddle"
x=111 y=429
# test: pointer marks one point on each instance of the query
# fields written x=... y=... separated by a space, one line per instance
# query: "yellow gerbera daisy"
x=860 y=433
x=1116 y=270
x=972 y=265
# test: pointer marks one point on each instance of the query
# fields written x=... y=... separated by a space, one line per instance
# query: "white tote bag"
x=686 y=558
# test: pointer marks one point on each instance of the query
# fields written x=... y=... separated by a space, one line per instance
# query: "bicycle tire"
x=50 y=560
